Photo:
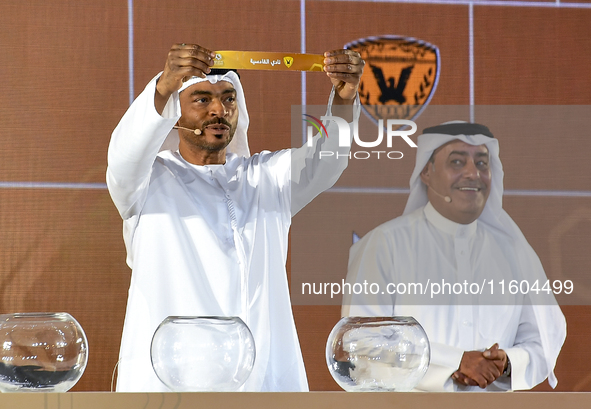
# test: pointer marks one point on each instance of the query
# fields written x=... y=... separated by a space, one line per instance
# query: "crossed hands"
x=481 y=368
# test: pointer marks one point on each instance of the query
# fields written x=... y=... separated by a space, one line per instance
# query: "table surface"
x=310 y=400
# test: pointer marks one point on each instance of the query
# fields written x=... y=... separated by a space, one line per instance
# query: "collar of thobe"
x=210 y=169
x=239 y=144
x=448 y=226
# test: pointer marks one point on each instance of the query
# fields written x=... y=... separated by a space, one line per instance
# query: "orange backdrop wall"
x=69 y=68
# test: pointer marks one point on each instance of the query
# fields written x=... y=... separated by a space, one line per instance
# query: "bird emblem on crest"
x=402 y=78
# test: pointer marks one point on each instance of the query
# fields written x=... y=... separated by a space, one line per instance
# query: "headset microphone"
x=446 y=198
x=195 y=131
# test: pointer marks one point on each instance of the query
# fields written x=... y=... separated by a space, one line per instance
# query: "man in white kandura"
x=205 y=224
x=454 y=230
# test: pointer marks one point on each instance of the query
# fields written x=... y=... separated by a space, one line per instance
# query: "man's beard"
x=203 y=144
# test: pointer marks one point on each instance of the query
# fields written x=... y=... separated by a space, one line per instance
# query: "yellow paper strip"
x=263 y=60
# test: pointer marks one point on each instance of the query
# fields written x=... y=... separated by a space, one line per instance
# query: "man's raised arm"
x=312 y=173
x=143 y=129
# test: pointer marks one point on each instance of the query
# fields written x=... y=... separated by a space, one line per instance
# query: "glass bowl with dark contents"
x=41 y=352
x=367 y=354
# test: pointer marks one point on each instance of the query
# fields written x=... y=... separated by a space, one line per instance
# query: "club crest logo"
x=400 y=76
x=288 y=61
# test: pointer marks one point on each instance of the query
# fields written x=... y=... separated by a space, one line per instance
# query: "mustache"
x=217 y=121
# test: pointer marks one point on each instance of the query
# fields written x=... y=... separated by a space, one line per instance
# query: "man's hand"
x=497 y=356
x=481 y=368
x=184 y=61
x=344 y=68
x=463 y=379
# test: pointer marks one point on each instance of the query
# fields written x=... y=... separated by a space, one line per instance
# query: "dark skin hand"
x=343 y=67
x=184 y=61
x=481 y=368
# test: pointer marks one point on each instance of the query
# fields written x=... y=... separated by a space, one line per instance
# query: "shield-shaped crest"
x=288 y=61
x=400 y=76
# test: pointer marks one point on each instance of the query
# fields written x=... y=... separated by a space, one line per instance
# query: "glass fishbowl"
x=41 y=352
x=203 y=354
x=366 y=354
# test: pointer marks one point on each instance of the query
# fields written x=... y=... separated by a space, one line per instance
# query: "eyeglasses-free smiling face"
x=211 y=108
x=460 y=172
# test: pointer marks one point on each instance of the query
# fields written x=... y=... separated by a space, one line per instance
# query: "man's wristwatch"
x=507 y=371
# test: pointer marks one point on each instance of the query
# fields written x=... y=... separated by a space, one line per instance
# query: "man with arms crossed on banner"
x=454 y=229
x=206 y=224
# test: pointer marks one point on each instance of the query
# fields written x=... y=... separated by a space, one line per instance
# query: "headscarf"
x=549 y=317
x=239 y=143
